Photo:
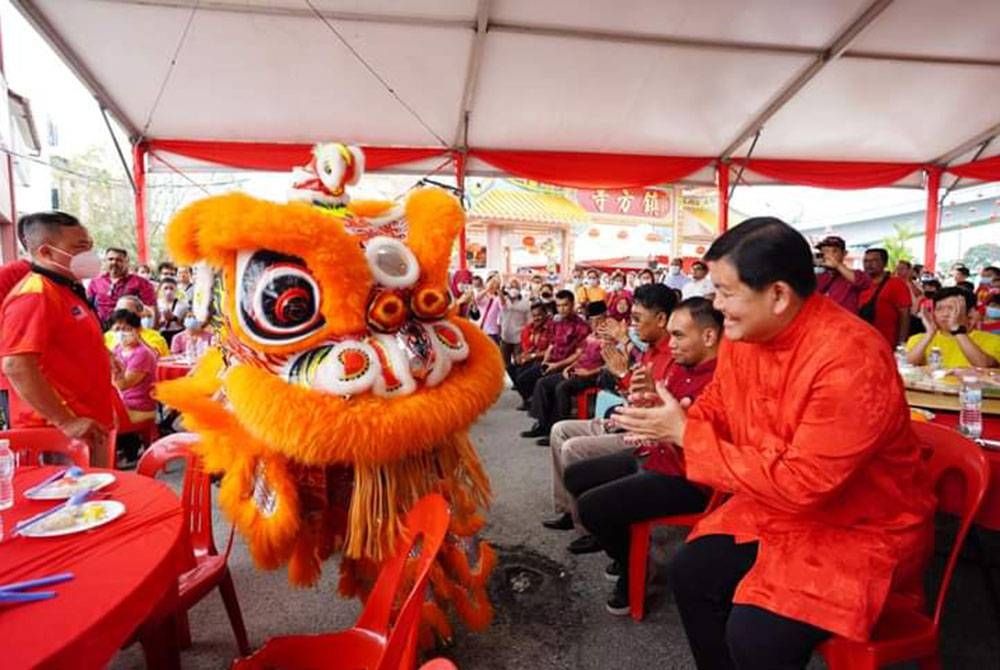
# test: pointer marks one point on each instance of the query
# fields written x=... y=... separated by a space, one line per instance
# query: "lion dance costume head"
x=344 y=383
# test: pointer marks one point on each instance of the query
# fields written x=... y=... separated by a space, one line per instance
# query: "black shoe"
x=613 y=571
x=542 y=442
x=585 y=544
x=618 y=602
x=562 y=522
x=536 y=431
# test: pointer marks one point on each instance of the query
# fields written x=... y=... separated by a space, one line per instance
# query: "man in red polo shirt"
x=618 y=489
x=105 y=290
x=51 y=344
x=886 y=303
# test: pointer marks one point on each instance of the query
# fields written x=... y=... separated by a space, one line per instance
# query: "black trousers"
x=527 y=376
x=612 y=492
x=552 y=400
x=704 y=575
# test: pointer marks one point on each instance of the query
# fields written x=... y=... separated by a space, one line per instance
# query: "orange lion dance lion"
x=343 y=386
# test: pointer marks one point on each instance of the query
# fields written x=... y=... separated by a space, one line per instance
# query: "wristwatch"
x=961 y=330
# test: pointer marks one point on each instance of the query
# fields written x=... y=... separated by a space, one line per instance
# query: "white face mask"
x=84 y=265
x=591 y=281
x=674 y=270
x=618 y=286
x=147 y=322
x=191 y=323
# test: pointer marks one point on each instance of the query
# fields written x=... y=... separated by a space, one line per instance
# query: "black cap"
x=832 y=241
x=596 y=308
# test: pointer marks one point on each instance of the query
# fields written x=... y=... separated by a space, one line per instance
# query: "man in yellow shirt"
x=151 y=337
x=948 y=330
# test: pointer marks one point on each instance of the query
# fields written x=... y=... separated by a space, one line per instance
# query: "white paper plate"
x=62 y=523
x=65 y=488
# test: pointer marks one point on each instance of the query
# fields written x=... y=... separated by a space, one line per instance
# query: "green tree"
x=896 y=245
x=981 y=255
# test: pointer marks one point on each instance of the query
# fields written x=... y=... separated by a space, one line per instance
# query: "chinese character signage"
x=643 y=202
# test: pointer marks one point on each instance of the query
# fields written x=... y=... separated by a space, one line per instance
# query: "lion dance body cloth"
x=344 y=383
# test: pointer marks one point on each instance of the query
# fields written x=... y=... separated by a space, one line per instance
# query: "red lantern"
x=622 y=234
x=653 y=237
x=699 y=250
x=528 y=241
x=594 y=232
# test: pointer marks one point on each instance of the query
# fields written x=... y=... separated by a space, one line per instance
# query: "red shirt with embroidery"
x=810 y=436
x=536 y=339
x=567 y=336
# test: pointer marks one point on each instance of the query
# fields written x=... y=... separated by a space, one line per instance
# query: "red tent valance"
x=591 y=170
x=987 y=169
x=283 y=157
x=831 y=174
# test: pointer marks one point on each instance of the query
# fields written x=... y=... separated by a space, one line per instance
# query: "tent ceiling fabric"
x=649 y=77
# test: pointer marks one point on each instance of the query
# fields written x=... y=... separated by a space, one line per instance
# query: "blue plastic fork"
x=75 y=501
x=74 y=471
x=15 y=593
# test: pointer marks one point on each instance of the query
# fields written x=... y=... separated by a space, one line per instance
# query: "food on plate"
x=80 y=515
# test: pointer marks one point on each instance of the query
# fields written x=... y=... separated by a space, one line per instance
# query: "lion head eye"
x=278 y=297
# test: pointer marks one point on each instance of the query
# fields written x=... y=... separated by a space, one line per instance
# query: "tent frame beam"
x=967 y=146
x=40 y=22
x=472 y=74
x=836 y=49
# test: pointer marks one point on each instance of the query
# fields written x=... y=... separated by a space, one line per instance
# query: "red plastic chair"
x=371 y=644
x=904 y=633
x=439 y=664
x=211 y=569
x=583 y=402
x=147 y=431
x=638 y=551
x=33 y=443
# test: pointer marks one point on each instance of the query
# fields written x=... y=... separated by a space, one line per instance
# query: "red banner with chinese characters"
x=645 y=202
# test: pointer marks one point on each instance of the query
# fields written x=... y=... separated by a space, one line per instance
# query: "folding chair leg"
x=638 y=555
x=228 y=591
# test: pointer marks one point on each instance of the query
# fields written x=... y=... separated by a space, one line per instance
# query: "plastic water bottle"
x=901 y=358
x=934 y=359
x=6 y=475
x=970 y=420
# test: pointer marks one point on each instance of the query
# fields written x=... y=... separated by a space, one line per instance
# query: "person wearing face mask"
x=547 y=296
x=50 y=338
x=991 y=317
x=576 y=440
x=590 y=290
x=105 y=290
x=985 y=288
x=619 y=299
x=149 y=335
x=172 y=306
x=193 y=341
x=134 y=373
x=513 y=315
x=616 y=490
x=676 y=279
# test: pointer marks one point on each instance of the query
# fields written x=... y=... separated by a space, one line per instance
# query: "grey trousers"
x=573 y=441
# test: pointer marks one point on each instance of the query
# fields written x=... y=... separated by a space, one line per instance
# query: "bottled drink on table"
x=6 y=475
x=901 y=357
x=934 y=359
x=970 y=420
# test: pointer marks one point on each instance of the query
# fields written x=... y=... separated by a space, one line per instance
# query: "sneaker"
x=535 y=431
x=617 y=604
x=613 y=571
x=562 y=522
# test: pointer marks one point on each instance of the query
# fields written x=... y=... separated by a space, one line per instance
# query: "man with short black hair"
x=105 y=290
x=700 y=285
x=959 y=274
x=886 y=303
x=838 y=282
x=828 y=508
x=615 y=490
x=50 y=339
x=947 y=328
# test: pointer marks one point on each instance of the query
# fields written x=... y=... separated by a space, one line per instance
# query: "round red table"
x=172 y=368
x=124 y=570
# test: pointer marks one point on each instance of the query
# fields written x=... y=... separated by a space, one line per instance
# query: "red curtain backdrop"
x=987 y=169
x=831 y=174
x=283 y=157
x=591 y=170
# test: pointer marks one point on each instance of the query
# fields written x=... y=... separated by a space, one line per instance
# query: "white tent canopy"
x=840 y=80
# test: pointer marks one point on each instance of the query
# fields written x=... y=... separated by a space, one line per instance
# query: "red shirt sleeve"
x=146 y=292
x=897 y=294
x=24 y=322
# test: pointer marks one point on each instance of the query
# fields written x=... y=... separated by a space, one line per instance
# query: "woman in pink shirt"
x=193 y=341
x=133 y=367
